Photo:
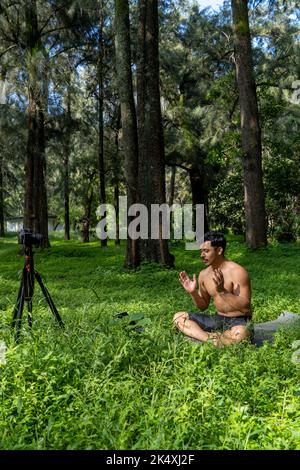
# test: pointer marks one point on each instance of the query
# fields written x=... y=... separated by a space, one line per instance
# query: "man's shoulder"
x=236 y=268
x=204 y=272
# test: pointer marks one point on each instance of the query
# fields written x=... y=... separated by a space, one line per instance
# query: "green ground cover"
x=103 y=385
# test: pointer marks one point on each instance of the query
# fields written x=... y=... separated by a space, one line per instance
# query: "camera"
x=27 y=238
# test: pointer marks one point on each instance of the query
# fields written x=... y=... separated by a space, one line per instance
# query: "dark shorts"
x=217 y=322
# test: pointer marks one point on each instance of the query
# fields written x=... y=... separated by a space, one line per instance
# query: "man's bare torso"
x=232 y=273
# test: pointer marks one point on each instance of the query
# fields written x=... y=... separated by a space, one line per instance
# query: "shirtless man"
x=228 y=284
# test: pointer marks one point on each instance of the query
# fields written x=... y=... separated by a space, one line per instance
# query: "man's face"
x=209 y=254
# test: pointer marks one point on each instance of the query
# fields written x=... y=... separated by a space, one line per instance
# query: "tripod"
x=26 y=291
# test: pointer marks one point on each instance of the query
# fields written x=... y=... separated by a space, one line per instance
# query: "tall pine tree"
x=150 y=130
x=256 y=235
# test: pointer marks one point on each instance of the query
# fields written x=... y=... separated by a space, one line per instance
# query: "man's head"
x=213 y=247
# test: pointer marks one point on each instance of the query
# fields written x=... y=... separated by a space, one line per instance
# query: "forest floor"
x=102 y=384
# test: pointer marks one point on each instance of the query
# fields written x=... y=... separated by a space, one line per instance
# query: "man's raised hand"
x=218 y=279
x=189 y=285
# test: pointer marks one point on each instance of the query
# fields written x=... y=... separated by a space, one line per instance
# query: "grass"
x=102 y=385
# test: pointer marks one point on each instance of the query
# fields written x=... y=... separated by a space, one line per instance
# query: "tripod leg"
x=16 y=307
x=18 y=317
x=29 y=317
x=48 y=299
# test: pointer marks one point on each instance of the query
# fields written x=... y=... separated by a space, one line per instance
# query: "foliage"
x=202 y=117
x=199 y=103
x=226 y=203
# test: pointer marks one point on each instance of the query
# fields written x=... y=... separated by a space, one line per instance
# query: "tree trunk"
x=150 y=130
x=172 y=185
x=199 y=195
x=35 y=210
x=117 y=207
x=85 y=233
x=116 y=179
x=3 y=73
x=35 y=204
x=251 y=134
x=2 y=231
x=171 y=195
x=66 y=194
x=100 y=120
x=128 y=119
x=66 y=158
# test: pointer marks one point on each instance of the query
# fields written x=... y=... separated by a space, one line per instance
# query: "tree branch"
x=54 y=11
x=6 y=50
x=179 y=165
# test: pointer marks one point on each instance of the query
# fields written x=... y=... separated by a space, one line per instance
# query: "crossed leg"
x=193 y=330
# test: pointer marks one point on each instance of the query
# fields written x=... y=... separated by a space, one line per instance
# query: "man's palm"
x=188 y=284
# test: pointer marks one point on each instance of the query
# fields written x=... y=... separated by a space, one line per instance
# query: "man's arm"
x=201 y=297
x=240 y=300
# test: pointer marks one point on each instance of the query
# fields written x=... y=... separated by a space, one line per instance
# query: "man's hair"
x=216 y=238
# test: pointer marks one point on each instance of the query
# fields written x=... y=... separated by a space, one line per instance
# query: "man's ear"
x=220 y=250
